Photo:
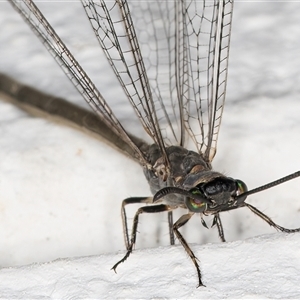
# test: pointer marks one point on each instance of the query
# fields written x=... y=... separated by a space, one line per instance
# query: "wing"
x=208 y=60
x=171 y=59
x=115 y=30
x=32 y=15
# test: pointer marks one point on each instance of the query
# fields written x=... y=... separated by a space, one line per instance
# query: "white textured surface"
x=60 y=191
x=245 y=269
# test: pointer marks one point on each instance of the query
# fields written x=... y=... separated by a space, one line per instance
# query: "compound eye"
x=196 y=205
x=241 y=189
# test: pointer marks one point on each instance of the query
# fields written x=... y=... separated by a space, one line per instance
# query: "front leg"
x=144 y=209
x=182 y=221
x=217 y=221
x=131 y=200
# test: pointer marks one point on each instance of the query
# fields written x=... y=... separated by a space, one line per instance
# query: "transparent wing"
x=208 y=59
x=115 y=30
x=170 y=57
x=136 y=37
x=73 y=70
x=184 y=46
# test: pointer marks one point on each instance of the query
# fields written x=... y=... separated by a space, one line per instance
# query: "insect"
x=177 y=90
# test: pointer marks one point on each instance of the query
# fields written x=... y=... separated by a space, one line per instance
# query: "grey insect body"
x=171 y=59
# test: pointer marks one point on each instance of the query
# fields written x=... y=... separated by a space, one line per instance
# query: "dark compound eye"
x=196 y=205
x=241 y=189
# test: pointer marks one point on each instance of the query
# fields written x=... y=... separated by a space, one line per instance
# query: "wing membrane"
x=114 y=29
x=186 y=59
x=184 y=49
x=73 y=70
x=170 y=57
x=206 y=38
x=218 y=68
x=159 y=27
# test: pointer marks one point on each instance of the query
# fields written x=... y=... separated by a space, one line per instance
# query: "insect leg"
x=180 y=222
x=131 y=200
x=217 y=221
x=171 y=232
x=144 y=209
x=269 y=221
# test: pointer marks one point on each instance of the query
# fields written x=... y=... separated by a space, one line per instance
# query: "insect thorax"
x=187 y=169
